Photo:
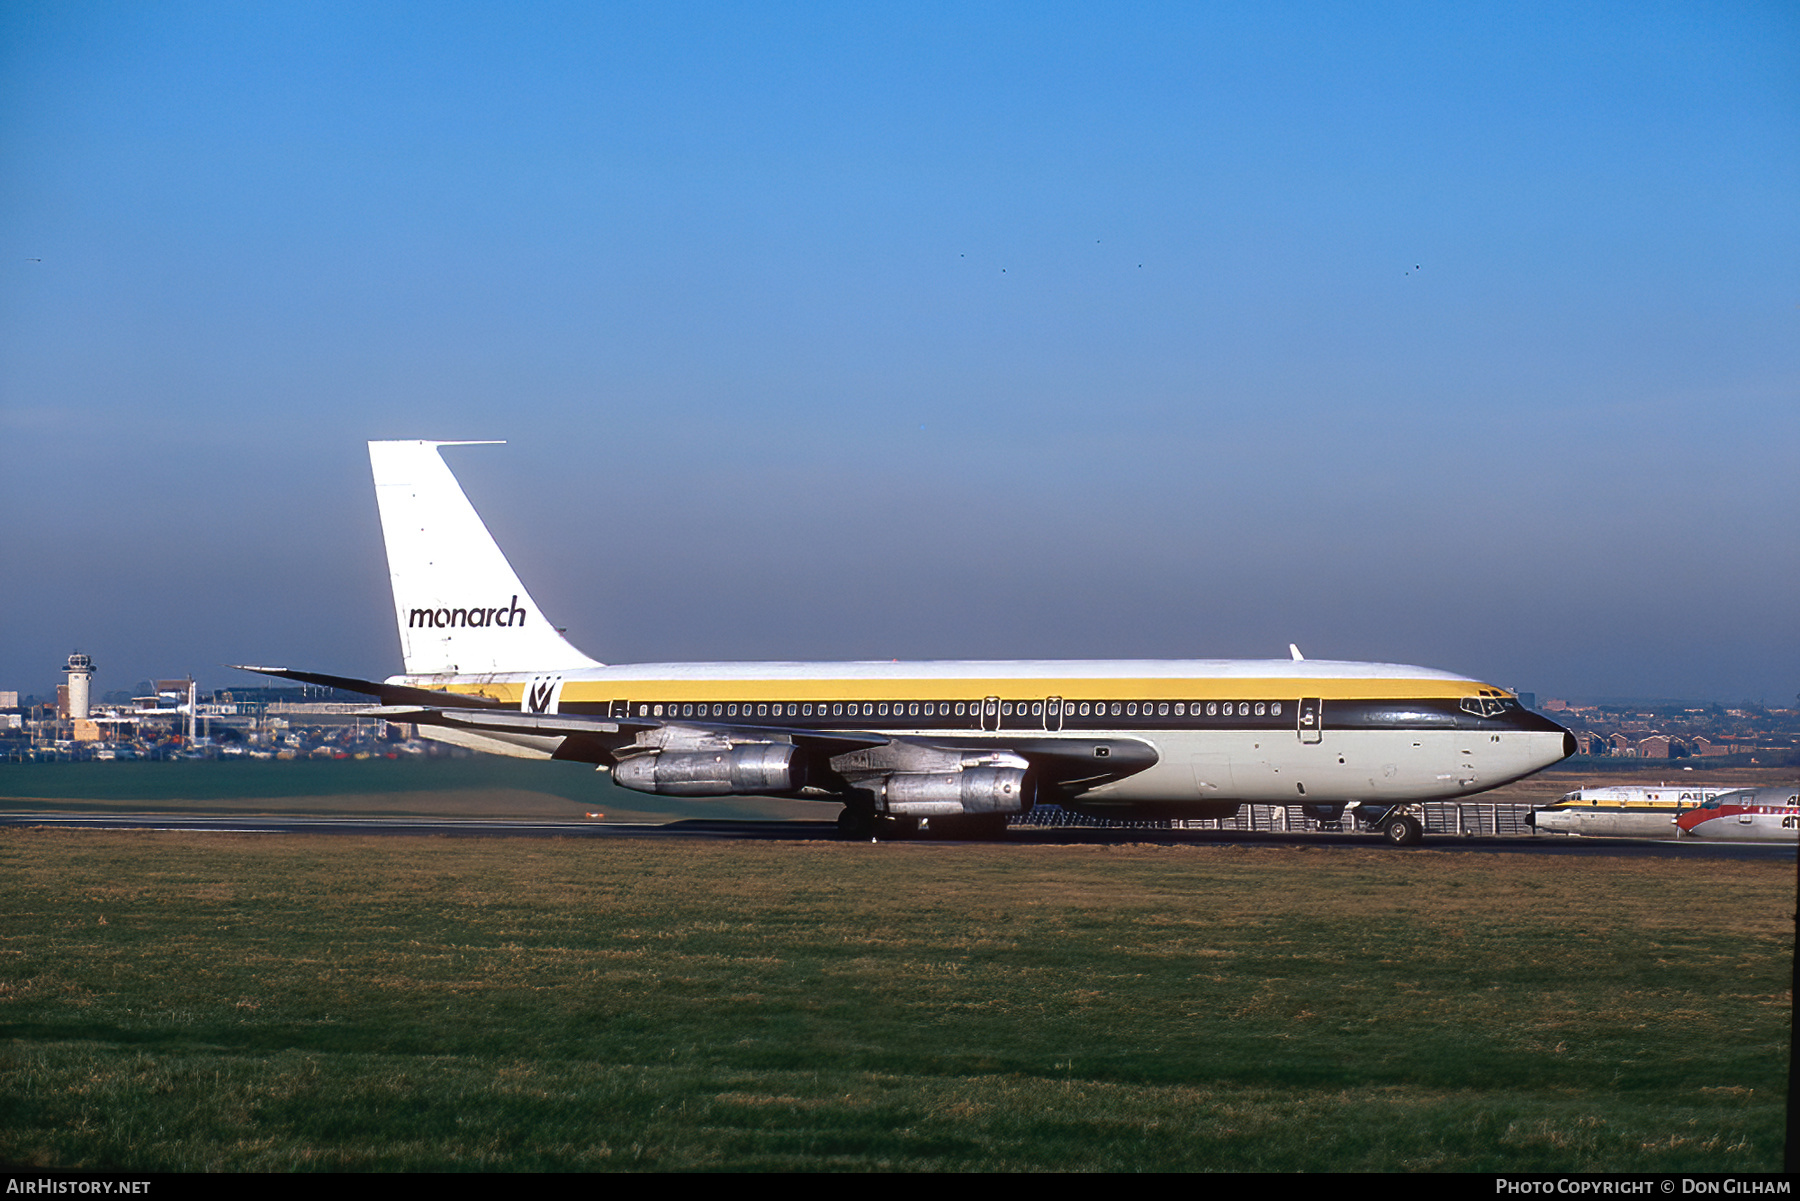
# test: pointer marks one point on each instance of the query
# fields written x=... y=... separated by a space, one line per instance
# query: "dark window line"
x=961 y=712
x=1050 y=715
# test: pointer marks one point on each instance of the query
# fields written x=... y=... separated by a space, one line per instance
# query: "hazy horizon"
x=1456 y=337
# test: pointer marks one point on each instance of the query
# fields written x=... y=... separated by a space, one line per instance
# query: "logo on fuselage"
x=542 y=695
x=475 y=619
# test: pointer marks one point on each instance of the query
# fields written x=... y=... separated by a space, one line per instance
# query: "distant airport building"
x=74 y=706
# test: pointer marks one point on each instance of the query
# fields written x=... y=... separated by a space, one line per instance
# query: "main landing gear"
x=859 y=824
x=979 y=827
x=856 y=824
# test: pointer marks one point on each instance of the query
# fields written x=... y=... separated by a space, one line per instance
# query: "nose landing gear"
x=1402 y=830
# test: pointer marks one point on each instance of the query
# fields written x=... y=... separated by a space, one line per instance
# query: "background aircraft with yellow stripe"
x=964 y=745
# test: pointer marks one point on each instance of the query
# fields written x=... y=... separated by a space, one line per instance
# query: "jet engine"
x=950 y=793
x=750 y=769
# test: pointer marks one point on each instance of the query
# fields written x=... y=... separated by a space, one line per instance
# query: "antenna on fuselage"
x=1295 y=652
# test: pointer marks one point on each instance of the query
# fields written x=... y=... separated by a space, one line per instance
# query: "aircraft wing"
x=1071 y=764
x=584 y=734
x=592 y=739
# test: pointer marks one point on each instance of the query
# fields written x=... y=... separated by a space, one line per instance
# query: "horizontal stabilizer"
x=389 y=694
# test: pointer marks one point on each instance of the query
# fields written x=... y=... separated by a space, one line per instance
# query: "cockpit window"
x=1487 y=706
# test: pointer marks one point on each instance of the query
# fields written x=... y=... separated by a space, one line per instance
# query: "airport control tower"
x=80 y=671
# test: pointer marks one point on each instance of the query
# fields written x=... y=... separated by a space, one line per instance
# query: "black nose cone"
x=1569 y=747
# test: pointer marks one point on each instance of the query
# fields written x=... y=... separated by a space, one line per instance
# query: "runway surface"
x=798 y=831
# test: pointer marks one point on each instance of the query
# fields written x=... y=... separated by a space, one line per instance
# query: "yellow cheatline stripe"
x=653 y=691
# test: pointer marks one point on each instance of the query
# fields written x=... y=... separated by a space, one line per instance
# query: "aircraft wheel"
x=856 y=824
x=1403 y=831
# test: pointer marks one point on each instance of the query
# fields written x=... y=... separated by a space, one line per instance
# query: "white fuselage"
x=1299 y=732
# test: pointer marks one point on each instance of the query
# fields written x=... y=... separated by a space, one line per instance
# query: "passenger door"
x=1311 y=720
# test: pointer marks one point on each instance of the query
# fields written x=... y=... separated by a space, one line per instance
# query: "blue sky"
x=1453 y=335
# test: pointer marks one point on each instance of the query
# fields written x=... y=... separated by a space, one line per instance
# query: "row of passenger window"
x=967 y=710
x=1160 y=708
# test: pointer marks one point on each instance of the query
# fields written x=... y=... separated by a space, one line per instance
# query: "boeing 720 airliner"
x=963 y=745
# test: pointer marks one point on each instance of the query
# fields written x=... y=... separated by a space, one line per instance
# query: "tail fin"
x=460 y=607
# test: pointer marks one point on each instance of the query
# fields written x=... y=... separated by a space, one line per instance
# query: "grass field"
x=480 y=787
x=490 y=787
x=173 y=1001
